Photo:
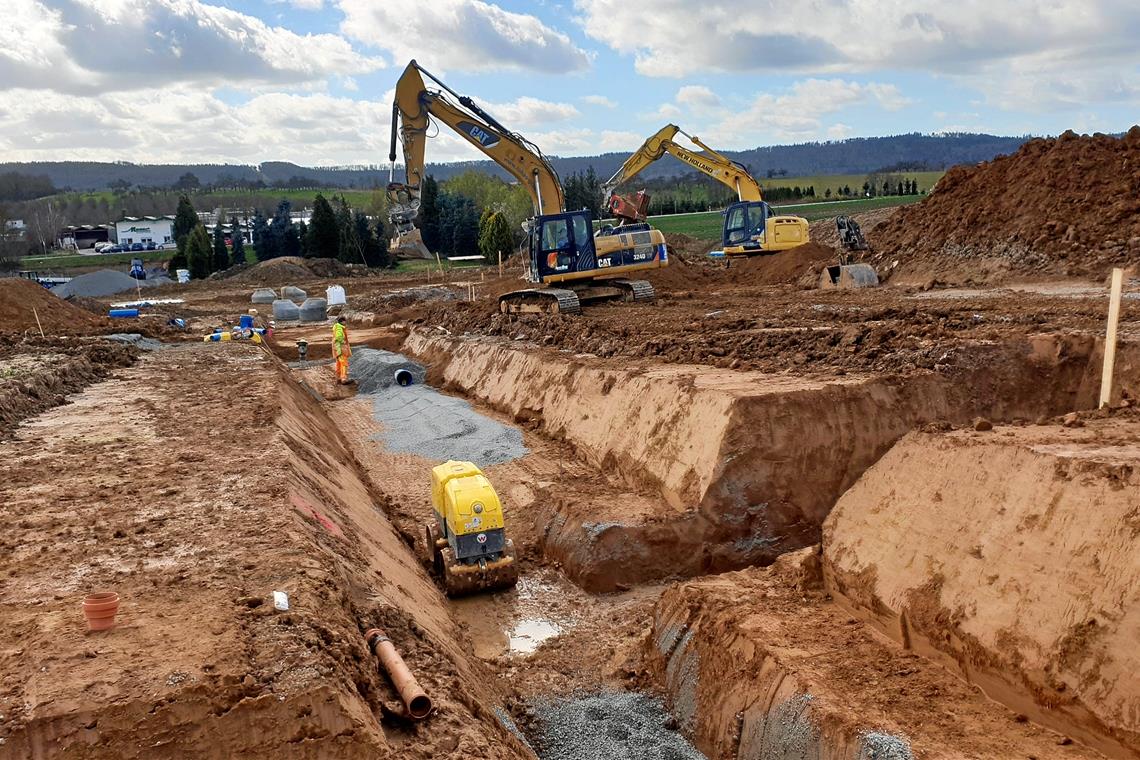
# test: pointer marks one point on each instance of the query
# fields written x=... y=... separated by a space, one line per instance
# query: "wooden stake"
x=1110 y=336
x=500 y=263
x=38 y=323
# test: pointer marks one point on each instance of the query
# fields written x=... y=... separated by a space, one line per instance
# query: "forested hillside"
x=910 y=152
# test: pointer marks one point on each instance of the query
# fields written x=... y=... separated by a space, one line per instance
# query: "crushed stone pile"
x=374 y=369
x=18 y=299
x=611 y=725
x=1064 y=206
x=105 y=282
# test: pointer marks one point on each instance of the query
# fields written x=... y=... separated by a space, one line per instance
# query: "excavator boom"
x=414 y=107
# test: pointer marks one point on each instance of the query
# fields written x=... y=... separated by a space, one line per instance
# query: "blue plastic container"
x=123 y=313
x=246 y=322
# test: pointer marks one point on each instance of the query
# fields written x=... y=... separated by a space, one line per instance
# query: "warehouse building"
x=144 y=229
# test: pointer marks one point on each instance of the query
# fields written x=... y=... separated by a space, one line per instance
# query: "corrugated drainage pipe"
x=416 y=700
x=403 y=377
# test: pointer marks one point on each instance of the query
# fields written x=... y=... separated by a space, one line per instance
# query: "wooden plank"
x=1110 y=336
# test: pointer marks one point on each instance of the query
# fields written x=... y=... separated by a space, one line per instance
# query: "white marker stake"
x=1110 y=335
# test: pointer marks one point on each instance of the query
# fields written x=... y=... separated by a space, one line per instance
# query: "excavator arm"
x=715 y=165
x=412 y=111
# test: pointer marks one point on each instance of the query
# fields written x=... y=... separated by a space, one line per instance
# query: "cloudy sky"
x=310 y=81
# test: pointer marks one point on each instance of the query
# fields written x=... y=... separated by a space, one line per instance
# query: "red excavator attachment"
x=630 y=210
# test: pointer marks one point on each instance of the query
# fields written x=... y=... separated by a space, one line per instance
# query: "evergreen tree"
x=324 y=238
x=592 y=192
x=259 y=231
x=374 y=248
x=221 y=257
x=198 y=253
x=185 y=220
x=273 y=238
x=899 y=189
x=465 y=234
x=495 y=237
x=303 y=233
x=238 y=241
x=177 y=261
x=350 y=249
x=430 y=214
x=291 y=241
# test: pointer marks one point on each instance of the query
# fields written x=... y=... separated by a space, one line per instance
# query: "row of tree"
x=335 y=231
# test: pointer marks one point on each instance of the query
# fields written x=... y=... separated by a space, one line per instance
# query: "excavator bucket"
x=409 y=245
x=847 y=276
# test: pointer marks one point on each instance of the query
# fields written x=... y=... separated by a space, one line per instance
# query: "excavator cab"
x=562 y=244
x=750 y=227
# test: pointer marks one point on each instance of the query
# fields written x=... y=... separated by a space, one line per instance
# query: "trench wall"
x=747 y=465
x=1012 y=557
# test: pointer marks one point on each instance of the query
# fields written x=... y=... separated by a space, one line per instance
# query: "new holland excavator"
x=563 y=253
x=750 y=227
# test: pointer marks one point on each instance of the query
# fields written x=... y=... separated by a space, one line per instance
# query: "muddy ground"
x=198 y=479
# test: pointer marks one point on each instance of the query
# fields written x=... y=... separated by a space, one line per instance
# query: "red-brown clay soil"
x=1024 y=575
x=39 y=373
x=195 y=485
x=759 y=663
x=21 y=301
x=1064 y=206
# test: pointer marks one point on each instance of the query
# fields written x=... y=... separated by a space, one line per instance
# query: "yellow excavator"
x=563 y=252
x=750 y=227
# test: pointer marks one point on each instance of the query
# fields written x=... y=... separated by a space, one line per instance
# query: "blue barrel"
x=123 y=313
x=246 y=322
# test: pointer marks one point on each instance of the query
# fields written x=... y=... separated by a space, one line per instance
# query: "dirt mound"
x=285 y=270
x=105 y=282
x=21 y=301
x=801 y=265
x=1063 y=206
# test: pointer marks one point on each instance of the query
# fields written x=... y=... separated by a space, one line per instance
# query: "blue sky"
x=310 y=81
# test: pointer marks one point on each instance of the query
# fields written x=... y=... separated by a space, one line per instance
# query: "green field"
x=205 y=201
x=833 y=182
x=708 y=226
x=103 y=261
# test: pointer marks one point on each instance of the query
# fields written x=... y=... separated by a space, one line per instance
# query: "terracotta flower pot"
x=100 y=609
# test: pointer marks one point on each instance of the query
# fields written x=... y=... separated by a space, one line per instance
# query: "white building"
x=144 y=229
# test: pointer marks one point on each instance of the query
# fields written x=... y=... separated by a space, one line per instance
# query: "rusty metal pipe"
x=416 y=700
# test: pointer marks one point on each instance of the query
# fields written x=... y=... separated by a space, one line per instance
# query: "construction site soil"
x=714 y=430
x=1064 y=206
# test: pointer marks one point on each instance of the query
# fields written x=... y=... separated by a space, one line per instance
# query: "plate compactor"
x=468 y=544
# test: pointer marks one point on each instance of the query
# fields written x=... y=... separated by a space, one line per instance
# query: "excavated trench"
x=641 y=474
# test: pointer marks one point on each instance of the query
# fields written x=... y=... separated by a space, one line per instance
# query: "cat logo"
x=478 y=134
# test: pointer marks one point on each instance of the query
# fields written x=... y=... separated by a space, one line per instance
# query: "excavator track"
x=635 y=290
x=540 y=301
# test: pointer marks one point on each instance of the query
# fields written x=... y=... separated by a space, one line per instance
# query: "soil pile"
x=823 y=231
x=22 y=300
x=800 y=265
x=285 y=270
x=1063 y=206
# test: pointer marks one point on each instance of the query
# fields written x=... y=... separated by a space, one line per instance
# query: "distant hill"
x=853 y=156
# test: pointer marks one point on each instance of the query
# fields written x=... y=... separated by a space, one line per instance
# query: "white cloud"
x=599 y=100
x=88 y=46
x=527 y=111
x=838 y=131
x=697 y=96
x=1052 y=55
x=797 y=113
x=469 y=35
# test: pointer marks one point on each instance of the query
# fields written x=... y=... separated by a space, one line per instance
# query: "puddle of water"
x=517 y=622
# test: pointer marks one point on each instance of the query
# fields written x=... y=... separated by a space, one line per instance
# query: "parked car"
x=150 y=246
x=166 y=246
x=137 y=247
x=113 y=249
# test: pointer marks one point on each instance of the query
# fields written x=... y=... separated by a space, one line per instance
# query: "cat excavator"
x=571 y=264
x=750 y=227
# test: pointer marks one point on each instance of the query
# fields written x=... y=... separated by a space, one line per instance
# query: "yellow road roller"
x=467 y=541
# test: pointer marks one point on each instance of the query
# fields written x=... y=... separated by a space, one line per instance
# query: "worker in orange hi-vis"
x=341 y=350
